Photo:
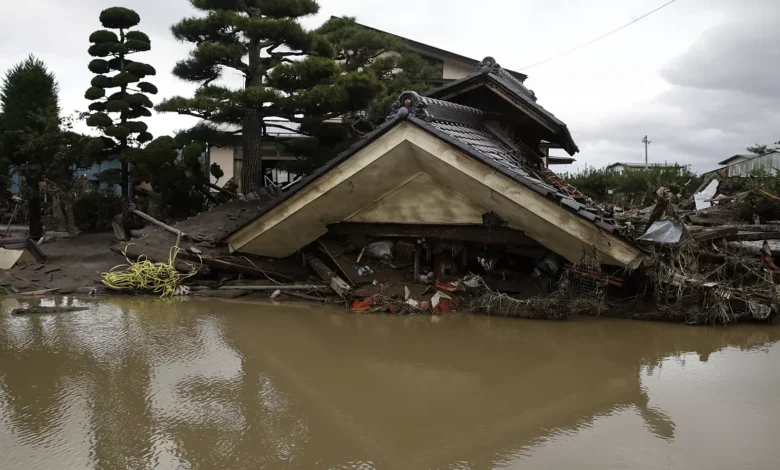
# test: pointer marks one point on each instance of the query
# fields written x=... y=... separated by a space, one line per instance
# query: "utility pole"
x=646 y=142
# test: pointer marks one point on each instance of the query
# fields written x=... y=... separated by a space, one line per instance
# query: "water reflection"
x=138 y=383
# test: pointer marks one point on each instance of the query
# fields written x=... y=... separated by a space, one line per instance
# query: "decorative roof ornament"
x=488 y=65
x=410 y=103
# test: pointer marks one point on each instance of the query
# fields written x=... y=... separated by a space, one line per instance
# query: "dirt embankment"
x=73 y=263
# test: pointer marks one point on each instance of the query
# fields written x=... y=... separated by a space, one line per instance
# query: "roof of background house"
x=744 y=157
x=736 y=157
x=462 y=127
x=426 y=49
x=642 y=165
x=490 y=72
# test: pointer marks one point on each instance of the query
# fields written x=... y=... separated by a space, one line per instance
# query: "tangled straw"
x=160 y=278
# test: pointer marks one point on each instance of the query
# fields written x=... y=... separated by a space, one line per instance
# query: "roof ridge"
x=489 y=65
x=431 y=109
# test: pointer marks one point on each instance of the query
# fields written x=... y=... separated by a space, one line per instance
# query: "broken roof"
x=464 y=129
x=489 y=73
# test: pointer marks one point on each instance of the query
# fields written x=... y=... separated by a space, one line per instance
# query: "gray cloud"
x=723 y=94
x=711 y=99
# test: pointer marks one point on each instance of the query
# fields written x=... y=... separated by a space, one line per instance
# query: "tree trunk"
x=252 y=176
x=34 y=209
x=70 y=219
x=56 y=212
x=125 y=178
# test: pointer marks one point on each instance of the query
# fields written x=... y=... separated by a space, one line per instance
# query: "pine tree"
x=115 y=71
x=288 y=72
x=29 y=98
x=359 y=49
x=384 y=56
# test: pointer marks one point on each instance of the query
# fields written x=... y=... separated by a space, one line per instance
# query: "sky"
x=701 y=78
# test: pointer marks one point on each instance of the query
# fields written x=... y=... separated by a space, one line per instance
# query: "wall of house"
x=222 y=156
x=769 y=163
x=455 y=70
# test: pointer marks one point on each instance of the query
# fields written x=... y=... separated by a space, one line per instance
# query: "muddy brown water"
x=142 y=383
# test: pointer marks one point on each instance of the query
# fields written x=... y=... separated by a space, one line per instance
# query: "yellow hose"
x=160 y=278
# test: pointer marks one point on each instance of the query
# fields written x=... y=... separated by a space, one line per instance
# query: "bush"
x=633 y=187
x=94 y=211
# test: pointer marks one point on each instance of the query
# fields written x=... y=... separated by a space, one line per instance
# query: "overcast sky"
x=700 y=77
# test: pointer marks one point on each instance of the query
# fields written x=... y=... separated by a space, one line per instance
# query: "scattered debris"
x=46 y=310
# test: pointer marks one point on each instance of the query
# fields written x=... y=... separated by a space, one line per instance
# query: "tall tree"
x=29 y=97
x=288 y=72
x=116 y=71
x=359 y=49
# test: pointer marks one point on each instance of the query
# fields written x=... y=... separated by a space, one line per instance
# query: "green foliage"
x=99 y=66
x=633 y=187
x=216 y=171
x=34 y=139
x=117 y=106
x=763 y=149
x=138 y=36
x=138 y=100
x=140 y=70
x=178 y=182
x=119 y=71
x=119 y=18
x=103 y=36
x=94 y=93
x=305 y=76
x=101 y=81
x=118 y=132
x=93 y=211
x=134 y=45
x=99 y=120
x=124 y=78
x=147 y=88
x=136 y=127
x=144 y=137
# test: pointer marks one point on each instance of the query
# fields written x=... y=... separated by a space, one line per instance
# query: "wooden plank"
x=36 y=251
x=714 y=234
x=754 y=236
x=333 y=250
x=467 y=233
x=336 y=283
x=272 y=288
x=4 y=242
x=241 y=268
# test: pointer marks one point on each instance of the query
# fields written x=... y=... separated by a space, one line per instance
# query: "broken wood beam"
x=224 y=265
x=156 y=222
x=332 y=279
x=330 y=249
x=754 y=236
x=714 y=234
x=272 y=288
x=12 y=241
x=461 y=232
x=223 y=191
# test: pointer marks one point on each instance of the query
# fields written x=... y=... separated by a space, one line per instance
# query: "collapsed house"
x=448 y=204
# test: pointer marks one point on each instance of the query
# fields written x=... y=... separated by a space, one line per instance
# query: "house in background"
x=745 y=164
x=621 y=167
x=453 y=67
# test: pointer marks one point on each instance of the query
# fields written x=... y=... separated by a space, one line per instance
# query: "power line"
x=600 y=37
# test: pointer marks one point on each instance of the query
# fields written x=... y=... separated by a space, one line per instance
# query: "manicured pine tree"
x=118 y=92
x=288 y=72
x=30 y=105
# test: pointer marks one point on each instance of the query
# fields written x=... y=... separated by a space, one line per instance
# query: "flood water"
x=143 y=383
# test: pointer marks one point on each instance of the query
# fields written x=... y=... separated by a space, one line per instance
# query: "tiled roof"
x=461 y=127
x=490 y=72
x=464 y=126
